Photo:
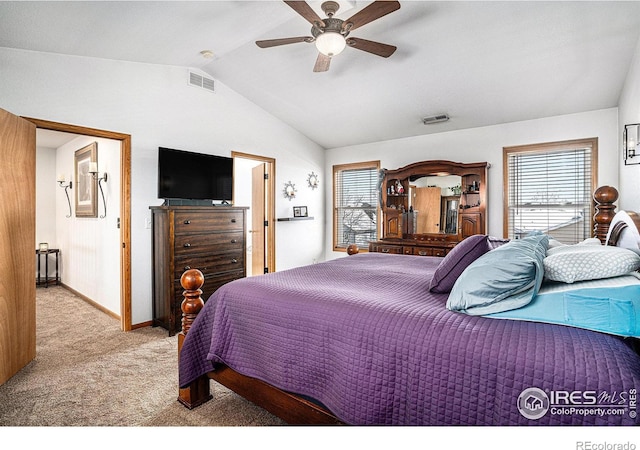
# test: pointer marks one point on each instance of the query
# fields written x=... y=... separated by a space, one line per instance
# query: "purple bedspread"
x=364 y=336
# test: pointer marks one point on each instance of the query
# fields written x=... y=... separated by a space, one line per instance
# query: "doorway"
x=125 y=205
x=259 y=195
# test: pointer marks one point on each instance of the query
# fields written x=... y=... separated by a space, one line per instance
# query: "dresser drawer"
x=394 y=249
x=198 y=222
x=191 y=244
x=429 y=251
x=209 y=263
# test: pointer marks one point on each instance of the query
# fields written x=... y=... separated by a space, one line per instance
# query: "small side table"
x=47 y=278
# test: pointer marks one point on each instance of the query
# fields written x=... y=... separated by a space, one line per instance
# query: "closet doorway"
x=125 y=204
x=254 y=186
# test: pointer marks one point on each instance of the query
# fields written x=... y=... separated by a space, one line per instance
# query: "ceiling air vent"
x=435 y=119
x=200 y=81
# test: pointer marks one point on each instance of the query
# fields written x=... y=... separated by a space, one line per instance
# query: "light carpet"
x=89 y=373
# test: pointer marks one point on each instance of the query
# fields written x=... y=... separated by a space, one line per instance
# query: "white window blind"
x=550 y=191
x=355 y=204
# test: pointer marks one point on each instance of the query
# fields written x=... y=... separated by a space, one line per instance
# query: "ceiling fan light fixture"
x=330 y=43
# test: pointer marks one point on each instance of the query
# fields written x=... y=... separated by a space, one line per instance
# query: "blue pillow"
x=502 y=279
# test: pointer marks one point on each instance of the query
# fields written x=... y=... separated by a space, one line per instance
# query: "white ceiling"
x=481 y=62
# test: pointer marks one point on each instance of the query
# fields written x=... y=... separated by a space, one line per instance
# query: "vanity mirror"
x=430 y=206
x=434 y=201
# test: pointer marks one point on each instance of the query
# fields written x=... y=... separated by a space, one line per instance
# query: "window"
x=549 y=189
x=355 y=204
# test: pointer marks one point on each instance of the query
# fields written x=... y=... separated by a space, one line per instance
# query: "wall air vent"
x=435 y=119
x=200 y=81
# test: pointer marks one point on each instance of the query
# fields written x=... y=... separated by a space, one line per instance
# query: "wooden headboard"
x=605 y=225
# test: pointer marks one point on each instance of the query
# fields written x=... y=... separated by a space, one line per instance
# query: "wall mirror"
x=289 y=190
x=434 y=201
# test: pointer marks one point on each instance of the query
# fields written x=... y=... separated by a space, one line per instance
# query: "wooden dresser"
x=430 y=206
x=209 y=238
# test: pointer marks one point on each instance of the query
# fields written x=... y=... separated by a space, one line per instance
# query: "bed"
x=365 y=340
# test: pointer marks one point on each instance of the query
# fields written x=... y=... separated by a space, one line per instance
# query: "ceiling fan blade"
x=322 y=63
x=377 y=48
x=372 y=12
x=283 y=41
x=305 y=11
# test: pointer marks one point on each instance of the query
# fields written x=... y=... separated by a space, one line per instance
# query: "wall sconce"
x=93 y=170
x=61 y=181
x=631 y=144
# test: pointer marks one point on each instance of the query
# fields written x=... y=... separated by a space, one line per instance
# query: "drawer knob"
x=187 y=268
x=234 y=241
x=187 y=222
x=234 y=261
x=385 y=250
x=422 y=253
x=187 y=245
x=233 y=220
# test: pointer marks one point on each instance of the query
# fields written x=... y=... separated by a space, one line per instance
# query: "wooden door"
x=427 y=204
x=17 y=244
x=258 y=217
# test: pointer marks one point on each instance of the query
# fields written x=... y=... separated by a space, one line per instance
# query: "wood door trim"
x=125 y=204
x=271 y=199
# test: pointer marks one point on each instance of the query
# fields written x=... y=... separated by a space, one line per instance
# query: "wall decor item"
x=300 y=211
x=631 y=144
x=289 y=190
x=61 y=181
x=313 y=180
x=93 y=171
x=86 y=184
x=43 y=247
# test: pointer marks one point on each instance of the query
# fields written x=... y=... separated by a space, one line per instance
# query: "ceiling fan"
x=331 y=35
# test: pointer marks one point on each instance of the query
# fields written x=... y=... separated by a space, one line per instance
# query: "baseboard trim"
x=92 y=303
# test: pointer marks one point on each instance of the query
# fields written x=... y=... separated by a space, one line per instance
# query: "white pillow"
x=630 y=237
x=588 y=262
x=555 y=246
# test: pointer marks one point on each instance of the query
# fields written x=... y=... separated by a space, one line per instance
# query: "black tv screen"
x=194 y=176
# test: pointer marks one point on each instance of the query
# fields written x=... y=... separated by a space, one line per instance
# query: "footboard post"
x=198 y=392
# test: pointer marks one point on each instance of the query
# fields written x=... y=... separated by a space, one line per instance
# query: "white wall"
x=46 y=196
x=485 y=144
x=629 y=112
x=46 y=203
x=157 y=107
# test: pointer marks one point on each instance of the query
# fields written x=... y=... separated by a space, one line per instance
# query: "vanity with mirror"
x=430 y=206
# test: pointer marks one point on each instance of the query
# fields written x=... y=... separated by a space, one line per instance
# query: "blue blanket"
x=609 y=306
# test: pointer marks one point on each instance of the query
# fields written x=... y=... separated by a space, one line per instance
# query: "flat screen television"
x=184 y=175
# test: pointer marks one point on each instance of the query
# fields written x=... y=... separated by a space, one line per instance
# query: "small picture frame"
x=43 y=247
x=300 y=211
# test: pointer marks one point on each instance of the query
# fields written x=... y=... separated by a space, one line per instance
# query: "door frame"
x=125 y=204
x=271 y=208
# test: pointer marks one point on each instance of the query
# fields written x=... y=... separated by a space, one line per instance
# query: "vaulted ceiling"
x=480 y=62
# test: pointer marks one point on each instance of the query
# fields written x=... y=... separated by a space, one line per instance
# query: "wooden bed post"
x=604 y=197
x=198 y=392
